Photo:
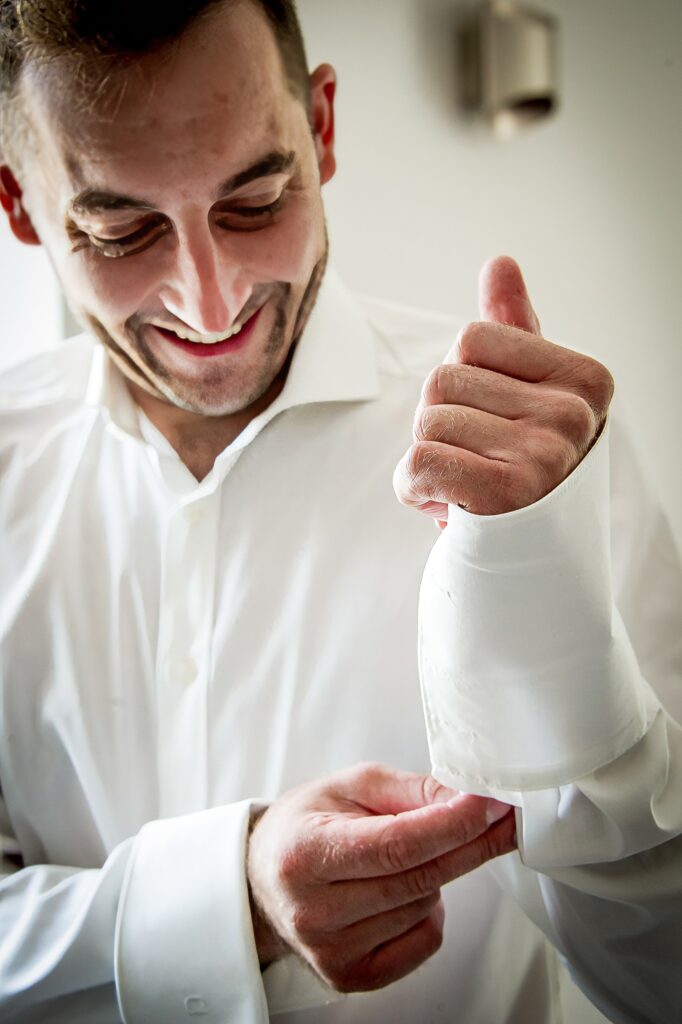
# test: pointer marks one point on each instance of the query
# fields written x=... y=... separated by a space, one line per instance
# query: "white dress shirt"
x=172 y=650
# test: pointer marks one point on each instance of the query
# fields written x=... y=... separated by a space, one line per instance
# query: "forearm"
x=163 y=929
x=58 y=929
x=534 y=694
x=601 y=874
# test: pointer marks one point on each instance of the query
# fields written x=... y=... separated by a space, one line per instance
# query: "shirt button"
x=195 y=512
x=183 y=671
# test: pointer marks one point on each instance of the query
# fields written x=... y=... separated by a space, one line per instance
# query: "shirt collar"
x=334 y=361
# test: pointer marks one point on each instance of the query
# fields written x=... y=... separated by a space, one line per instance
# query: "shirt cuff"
x=290 y=984
x=184 y=937
x=528 y=678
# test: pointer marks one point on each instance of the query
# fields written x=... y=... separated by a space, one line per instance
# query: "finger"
x=379 y=789
x=347 y=902
x=401 y=956
x=565 y=402
x=511 y=351
x=497 y=840
x=369 y=847
x=436 y=510
x=503 y=297
x=366 y=933
x=480 y=432
x=484 y=389
x=433 y=472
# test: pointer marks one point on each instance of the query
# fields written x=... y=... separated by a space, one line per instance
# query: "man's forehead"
x=223 y=70
x=174 y=116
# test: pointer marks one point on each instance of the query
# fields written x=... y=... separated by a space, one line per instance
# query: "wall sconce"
x=509 y=65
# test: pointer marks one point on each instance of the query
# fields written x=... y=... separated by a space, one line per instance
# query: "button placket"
x=184 y=654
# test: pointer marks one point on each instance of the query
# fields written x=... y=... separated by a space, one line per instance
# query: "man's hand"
x=507 y=416
x=347 y=871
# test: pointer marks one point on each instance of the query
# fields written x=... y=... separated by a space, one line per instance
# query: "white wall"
x=589 y=203
x=30 y=306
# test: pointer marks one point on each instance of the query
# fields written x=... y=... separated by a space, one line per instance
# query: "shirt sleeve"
x=160 y=933
x=535 y=693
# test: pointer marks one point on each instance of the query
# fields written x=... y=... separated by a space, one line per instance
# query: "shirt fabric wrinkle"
x=173 y=653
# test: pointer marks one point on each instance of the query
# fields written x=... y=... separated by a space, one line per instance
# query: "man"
x=209 y=593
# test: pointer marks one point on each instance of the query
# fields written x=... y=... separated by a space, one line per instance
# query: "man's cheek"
x=115 y=288
x=290 y=250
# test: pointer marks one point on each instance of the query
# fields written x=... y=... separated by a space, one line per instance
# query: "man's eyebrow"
x=91 y=200
x=274 y=163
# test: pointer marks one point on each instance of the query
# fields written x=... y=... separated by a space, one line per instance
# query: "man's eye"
x=135 y=242
x=249 y=218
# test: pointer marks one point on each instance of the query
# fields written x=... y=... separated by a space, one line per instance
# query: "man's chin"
x=220 y=398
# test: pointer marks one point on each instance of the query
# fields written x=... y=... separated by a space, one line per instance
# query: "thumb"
x=502 y=295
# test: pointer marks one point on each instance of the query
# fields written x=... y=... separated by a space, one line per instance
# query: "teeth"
x=199 y=339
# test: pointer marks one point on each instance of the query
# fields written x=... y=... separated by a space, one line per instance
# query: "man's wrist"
x=269 y=944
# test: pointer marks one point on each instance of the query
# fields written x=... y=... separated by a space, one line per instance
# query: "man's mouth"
x=203 y=345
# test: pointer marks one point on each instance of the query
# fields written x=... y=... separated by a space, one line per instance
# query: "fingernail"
x=495 y=810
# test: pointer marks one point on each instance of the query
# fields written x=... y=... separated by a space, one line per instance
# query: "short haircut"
x=97 y=37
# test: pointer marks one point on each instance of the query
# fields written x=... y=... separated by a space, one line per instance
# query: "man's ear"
x=12 y=203
x=323 y=89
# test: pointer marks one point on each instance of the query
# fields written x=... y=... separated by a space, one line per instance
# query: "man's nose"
x=207 y=287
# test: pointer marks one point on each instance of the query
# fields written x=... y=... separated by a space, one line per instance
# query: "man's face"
x=186 y=225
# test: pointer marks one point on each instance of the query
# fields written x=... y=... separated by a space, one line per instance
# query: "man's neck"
x=197 y=439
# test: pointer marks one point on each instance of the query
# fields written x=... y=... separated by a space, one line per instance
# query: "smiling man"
x=208 y=593
x=196 y=220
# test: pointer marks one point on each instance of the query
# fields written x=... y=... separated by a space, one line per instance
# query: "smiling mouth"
x=203 y=345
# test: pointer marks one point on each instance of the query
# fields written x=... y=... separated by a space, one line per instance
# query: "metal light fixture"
x=510 y=64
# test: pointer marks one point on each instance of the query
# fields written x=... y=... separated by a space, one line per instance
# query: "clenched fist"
x=507 y=416
x=347 y=871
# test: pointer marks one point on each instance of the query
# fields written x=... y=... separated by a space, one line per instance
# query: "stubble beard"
x=220 y=390
x=211 y=401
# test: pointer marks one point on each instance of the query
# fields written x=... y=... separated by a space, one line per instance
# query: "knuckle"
x=420 y=425
x=297 y=859
x=413 y=462
x=435 y=387
x=470 y=342
x=595 y=382
x=577 y=418
x=438 y=423
x=425 y=906
x=503 y=837
x=550 y=459
x=419 y=460
x=498 y=841
x=607 y=387
x=289 y=866
x=396 y=852
x=433 y=936
x=303 y=923
x=600 y=383
x=423 y=881
x=432 y=790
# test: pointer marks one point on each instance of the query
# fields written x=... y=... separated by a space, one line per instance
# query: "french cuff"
x=528 y=677
x=184 y=938
x=290 y=984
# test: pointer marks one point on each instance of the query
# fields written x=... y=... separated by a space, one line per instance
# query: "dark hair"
x=98 y=35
